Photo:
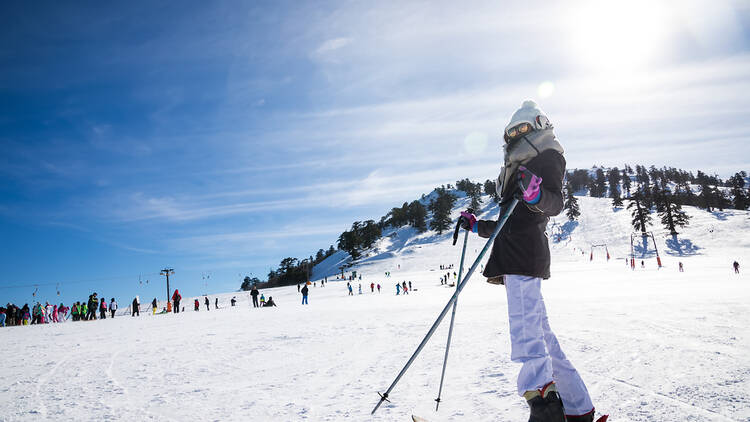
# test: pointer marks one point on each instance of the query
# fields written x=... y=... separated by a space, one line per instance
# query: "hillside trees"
x=473 y=191
x=417 y=216
x=671 y=213
x=737 y=183
x=361 y=236
x=598 y=186
x=441 y=209
x=579 y=179
x=571 y=203
x=489 y=189
x=613 y=177
x=640 y=214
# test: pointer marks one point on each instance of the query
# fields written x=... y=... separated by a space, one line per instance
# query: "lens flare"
x=475 y=143
x=546 y=89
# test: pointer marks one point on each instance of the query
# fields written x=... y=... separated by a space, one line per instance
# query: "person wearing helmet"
x=533 y=172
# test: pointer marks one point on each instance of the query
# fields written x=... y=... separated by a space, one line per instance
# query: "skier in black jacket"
x=520 y=258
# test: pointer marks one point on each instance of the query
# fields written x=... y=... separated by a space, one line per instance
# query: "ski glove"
x=530 y=185
x=468 y=221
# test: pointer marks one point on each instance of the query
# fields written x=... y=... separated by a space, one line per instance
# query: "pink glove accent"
x=529 y=183
x=470 y=220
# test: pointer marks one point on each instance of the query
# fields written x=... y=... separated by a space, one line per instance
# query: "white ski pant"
x=535 y=346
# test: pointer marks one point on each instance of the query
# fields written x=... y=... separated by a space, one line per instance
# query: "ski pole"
x=453 y=316
x=459 y=287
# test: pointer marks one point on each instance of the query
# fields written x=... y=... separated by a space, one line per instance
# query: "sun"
x=615 y=35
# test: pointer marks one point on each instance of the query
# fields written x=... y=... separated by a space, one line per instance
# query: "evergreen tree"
x=613 y=177
x=641 y=216
x=441 y=209
x=475 y=193
x=737 y=183
x=673 y=216
x=598 y=187
x=417 y=216
x=626 y=180
x=489 y=189
x=571 y=203
x=579 y=179
x=705 y=198
x=671 y=212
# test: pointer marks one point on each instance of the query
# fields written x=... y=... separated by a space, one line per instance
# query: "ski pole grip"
x=455 y=232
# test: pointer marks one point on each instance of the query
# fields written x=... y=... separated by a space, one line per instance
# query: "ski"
x=417 y=419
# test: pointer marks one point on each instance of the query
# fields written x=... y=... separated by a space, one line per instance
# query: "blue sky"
x=217 y=138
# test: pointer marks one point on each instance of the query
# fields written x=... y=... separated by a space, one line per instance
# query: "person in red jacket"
x=197 y=305
x=176 y=300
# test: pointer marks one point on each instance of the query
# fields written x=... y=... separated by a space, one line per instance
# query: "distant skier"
x=533 y=172
x=360 y=288
x=103 y=309
x=398 y=289
x=297 y=287
x=154 y=306
x=409 y=284
x=196 y=305
x=406 y=289
x=372 y=287
x=304 y=291
x=254 y=293
x=681 y=268
x=216 y=303
x=349 y=287
x=176 y=298
x=269 y=303
x=233 y=301
x=112 y=307
x=207 y=304
x=736 y=266
x=136 y=307
x=263 y=300
x=378 y=287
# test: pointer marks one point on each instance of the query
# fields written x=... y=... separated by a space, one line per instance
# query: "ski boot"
x=587 y=417
x=545 y=404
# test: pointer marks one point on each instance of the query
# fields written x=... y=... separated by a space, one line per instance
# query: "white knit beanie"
x=530 y=113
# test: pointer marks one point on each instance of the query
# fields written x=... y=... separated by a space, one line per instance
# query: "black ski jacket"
x=522 y=248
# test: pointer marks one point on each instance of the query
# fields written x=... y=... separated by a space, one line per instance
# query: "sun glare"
x=615 y=35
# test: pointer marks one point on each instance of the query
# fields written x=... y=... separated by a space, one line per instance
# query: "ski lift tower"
x=603 y=245
x=644 y=235
x=167 y=272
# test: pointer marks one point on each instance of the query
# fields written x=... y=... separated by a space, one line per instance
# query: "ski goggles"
x=517 y=131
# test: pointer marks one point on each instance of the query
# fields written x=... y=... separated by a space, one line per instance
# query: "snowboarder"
x=112 y=307
x=736 y=266
x=304 y=291
x=533 y=172
x=254 y=293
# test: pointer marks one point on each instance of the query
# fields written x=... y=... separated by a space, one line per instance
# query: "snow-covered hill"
x=652 y=344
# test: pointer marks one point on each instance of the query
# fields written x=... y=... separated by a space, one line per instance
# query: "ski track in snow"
x=652 y=345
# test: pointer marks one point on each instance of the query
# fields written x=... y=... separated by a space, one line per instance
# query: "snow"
x=652 y=344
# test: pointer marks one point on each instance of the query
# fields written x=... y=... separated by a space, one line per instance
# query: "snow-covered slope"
x=652 y=344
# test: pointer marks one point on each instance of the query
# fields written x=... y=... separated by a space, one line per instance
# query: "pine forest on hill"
x=647 y=191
